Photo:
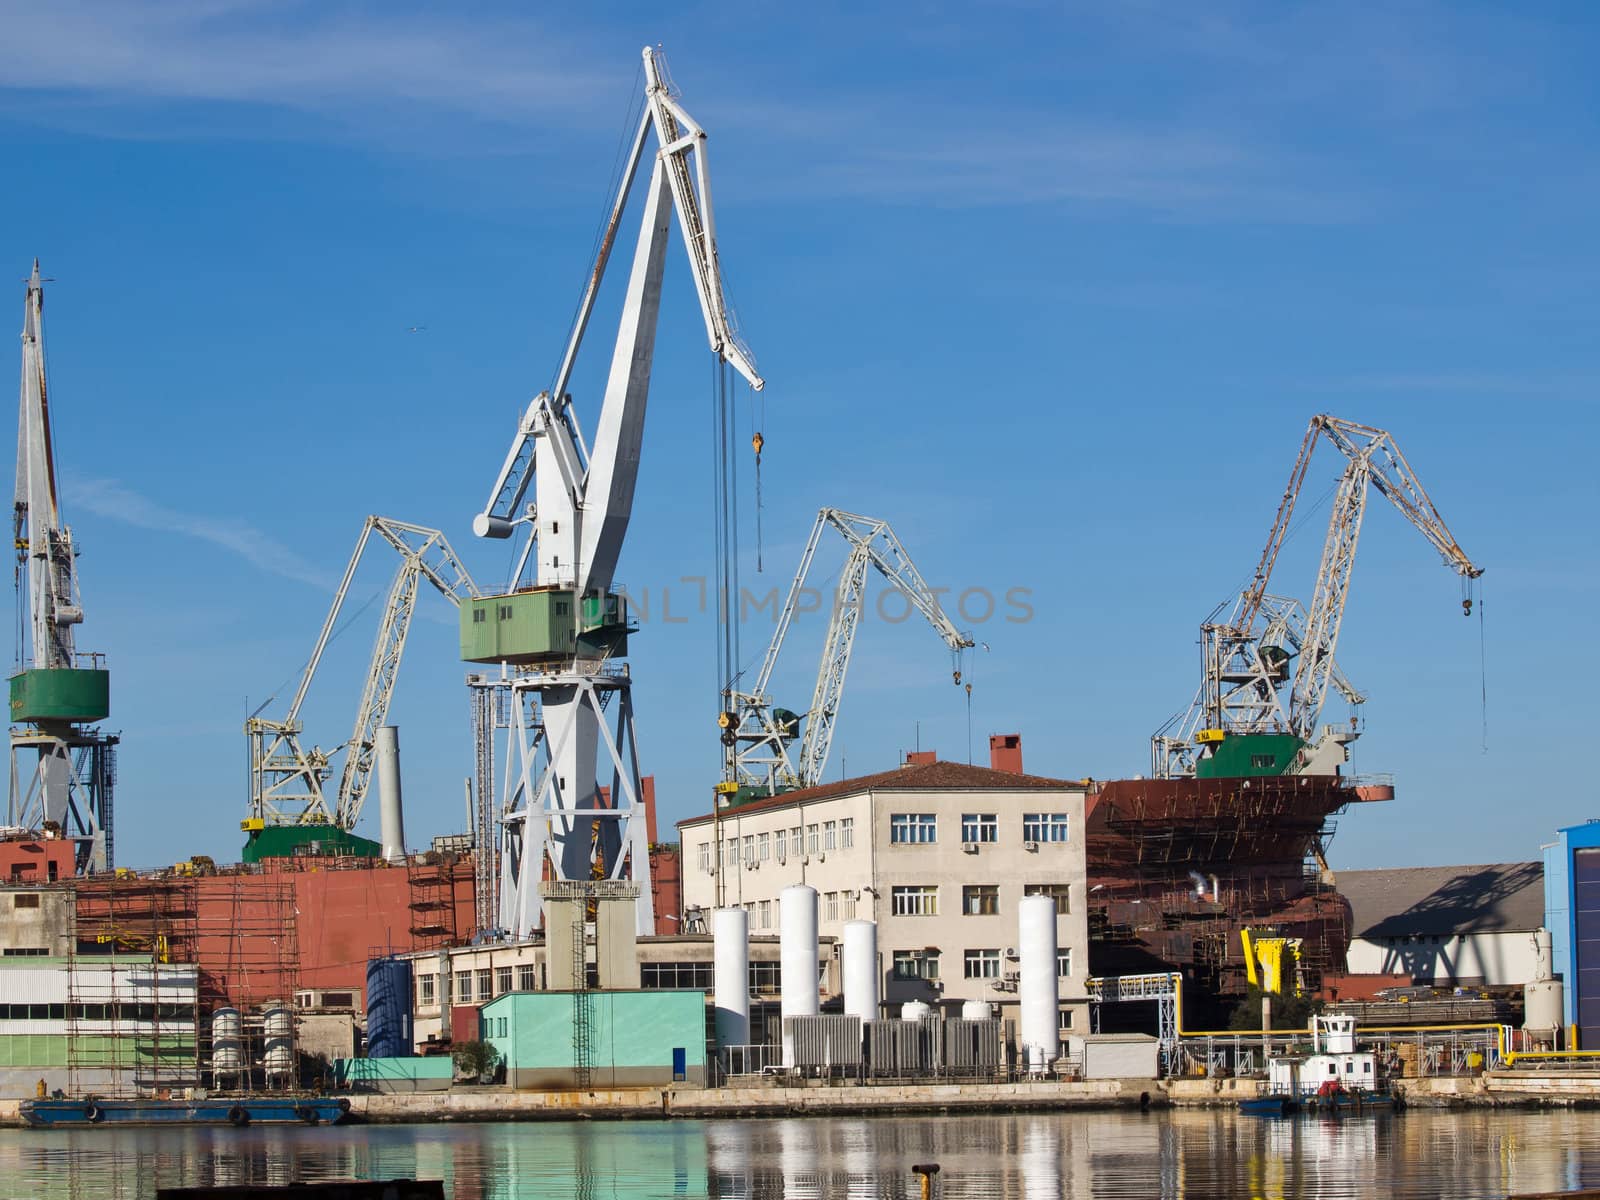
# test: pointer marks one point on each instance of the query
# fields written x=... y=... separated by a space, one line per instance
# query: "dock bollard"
x=926 y=1172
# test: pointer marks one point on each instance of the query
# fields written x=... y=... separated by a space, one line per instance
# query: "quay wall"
x=1526 y=1089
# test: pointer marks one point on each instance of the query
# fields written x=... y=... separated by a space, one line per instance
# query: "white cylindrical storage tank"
x=1544 y=958
x=391 y=817
x=915 y=1010
x=1542 y=1002
x=861 y=969
x=730 y=940
x=227 y=1043
x=277 y=1038
x=797 y=912
x=1037 y=987
x=976 y=1010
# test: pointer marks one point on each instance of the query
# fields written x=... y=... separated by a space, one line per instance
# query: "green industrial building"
x=599 y=1039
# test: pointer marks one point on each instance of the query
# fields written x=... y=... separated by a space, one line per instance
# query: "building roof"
x=1490 y=898
x=922 y=777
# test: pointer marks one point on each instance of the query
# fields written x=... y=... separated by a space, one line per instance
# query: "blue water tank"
x=389 y=1032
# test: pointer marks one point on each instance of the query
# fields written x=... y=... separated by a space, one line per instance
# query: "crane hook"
x=756 y=443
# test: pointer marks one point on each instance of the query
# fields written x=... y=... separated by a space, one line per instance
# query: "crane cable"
x=1483 y=669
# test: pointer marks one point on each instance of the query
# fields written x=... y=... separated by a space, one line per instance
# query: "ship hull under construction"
x=1179 y=867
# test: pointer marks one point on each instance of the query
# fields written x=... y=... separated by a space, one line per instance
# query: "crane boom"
x=286 y=779
x=1373 y=459
x=759 y=734
x=1247 y=656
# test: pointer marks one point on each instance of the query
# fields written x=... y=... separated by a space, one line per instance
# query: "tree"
x=1288 y=1011
x=475 y=1061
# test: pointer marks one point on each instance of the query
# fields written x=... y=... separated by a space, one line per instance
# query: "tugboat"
x=1334 y=1078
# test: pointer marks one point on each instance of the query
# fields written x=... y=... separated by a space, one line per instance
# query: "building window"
x=982 y=964
x=730 y=852
x=763 y=848
x=525 y=977
x=913 y=828
x=1044 y=827
x=979 y=827
x=1063 y=963
x=830 y=835
x=847 y=833
x=502 y=980
x=916 y=964
x=749 y=849
x=796 y=846
x=25 y=900
x=1061 y=891
x=693 y=976
x=849 y=905
x=425 y=991
x=1064 y=1020
x=765 y=909
x=485 y=984
x=705 y=858
x=766 y=978
x=463 y=988
x=914 y=901
x=782 y=839
x=830 y=907
x=980 y=899
x=811 y=839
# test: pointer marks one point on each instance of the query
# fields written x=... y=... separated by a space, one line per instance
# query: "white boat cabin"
x=1334 y=1059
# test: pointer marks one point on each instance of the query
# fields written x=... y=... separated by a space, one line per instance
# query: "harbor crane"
x=286 y=779
x=1269 y=644
x=756 y=736
x=63 y=769
x=562 y=639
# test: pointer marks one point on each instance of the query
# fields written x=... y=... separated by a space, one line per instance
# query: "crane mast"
x=1269 y=643
x=286 y=779
x=562 y=638
x=62 y=770
x=757 y=737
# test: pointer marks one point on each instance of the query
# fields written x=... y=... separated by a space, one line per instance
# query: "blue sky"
x=1053 y=288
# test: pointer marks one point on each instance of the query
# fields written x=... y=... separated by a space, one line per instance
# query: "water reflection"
x=1181 y=1155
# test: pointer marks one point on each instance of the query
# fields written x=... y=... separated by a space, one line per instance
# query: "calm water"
x=1188 y=1154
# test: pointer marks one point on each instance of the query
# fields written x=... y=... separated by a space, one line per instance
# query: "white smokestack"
x=391 y=817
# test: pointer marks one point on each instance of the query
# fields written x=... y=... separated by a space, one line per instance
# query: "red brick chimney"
x=921 y=758
x=1005 y=752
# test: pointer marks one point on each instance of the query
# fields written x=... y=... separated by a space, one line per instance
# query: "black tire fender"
x=91 y=1111
x=238 y=1116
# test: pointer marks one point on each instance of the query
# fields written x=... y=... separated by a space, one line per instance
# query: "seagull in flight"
x=417 y=329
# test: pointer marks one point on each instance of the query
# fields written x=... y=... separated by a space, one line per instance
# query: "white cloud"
x=110 y=499
x=306 y=57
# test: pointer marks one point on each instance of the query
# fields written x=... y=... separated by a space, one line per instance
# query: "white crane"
x=286 y=780
x=565 y=636
x=757 y=736
x=57 y=693
x=1248 y=658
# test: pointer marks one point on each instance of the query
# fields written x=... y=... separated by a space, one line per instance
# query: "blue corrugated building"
x=1572 y=914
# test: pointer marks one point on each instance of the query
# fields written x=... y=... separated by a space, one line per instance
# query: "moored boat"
x=236 y=1111
x=1334 y=1079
